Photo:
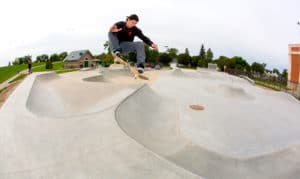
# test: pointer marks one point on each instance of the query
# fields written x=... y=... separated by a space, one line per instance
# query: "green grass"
x=10 y=71
x=269 y=84
x=66 y=70
x=56 y=66
x=20 y=77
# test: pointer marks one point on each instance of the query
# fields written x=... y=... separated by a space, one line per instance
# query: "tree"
x=275 y=70
x=16 y=61
x=109 y=59
x=42 y=58
x=172 y=52
x=54 y=57
x=152 y=56
x=186 y=51
x=221 y=62
x=285 y=74
x=209 y=55
x=107 y=47
x=202 y=62
x=194 y=61
x=165 y=58
x=63 y=55
x=184 y=59
x=202 y=53
x=22 y=60
x=238 y=63
x=257 y=67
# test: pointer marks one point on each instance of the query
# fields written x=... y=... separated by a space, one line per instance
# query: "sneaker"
x=117 y=53
x=140 y=68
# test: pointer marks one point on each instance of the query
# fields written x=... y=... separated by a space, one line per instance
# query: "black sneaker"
x=117 y=53
x=140 y=68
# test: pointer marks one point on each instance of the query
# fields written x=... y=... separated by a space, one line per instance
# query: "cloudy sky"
x=254 y=29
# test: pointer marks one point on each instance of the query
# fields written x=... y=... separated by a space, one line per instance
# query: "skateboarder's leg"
x=137 y=47
x=114 y=42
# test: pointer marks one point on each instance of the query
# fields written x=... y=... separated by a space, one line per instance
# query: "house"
x=294 y=69
x=80 y=59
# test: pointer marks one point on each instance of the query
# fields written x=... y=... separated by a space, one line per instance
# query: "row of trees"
x=54 y=57
x=201 y=60
x=40 y=58
x=153 y=56
x=184 y=59
x=240 y=64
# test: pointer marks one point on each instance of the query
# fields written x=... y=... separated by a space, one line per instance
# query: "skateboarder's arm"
x=117 y=27
x=143 y=37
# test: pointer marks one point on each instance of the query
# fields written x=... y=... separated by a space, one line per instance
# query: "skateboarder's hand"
x=154 y=46
x=115 y=29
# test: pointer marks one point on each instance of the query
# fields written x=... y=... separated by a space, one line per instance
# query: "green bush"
x=184 y=59
x=165 y=58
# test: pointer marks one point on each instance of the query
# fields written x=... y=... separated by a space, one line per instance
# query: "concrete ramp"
x=89 y=92
x=235 y=136
x=153 y=120
x=90 y=125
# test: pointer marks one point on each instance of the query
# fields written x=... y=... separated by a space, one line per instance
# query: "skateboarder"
x=29 y=65
x=121 y=36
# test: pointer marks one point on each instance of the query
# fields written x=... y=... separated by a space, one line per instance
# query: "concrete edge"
x=18 y=99
x=248 y=79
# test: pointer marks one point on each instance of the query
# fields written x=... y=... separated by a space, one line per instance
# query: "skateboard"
x=132 y=69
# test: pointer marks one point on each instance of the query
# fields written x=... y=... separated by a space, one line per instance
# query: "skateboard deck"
x=132 y=69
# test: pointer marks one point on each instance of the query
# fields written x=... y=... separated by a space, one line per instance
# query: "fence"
x=277 y=83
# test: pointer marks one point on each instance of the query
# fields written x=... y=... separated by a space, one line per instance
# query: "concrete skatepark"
x=90 y=125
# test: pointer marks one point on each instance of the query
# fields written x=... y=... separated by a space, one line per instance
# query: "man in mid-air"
x=121 y=36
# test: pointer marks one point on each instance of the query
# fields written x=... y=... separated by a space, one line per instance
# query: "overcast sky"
x=254 y=29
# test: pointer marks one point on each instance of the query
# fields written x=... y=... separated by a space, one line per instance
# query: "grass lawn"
x=66 y=70
x=10 y=71
x=273 y=85
x=56 y=66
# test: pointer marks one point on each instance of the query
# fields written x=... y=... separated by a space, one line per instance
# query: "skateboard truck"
x=132 y=69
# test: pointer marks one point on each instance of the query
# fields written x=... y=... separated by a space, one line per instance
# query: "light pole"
x=167 y=48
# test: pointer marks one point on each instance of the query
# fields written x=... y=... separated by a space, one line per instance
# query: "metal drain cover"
x=196 y=107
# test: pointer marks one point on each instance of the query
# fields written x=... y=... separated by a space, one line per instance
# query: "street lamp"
x=167 y=48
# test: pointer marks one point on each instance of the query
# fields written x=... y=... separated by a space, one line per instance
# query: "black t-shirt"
x=127 y=35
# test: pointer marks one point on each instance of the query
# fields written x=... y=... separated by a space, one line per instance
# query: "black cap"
x=133 y=17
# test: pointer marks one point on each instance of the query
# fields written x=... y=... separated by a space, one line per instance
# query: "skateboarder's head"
x=132 y=20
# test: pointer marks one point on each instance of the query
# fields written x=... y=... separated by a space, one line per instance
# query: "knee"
x=140 y=44
x=110 y=34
